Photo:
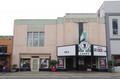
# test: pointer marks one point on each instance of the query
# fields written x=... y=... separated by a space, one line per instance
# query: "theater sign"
x=67 y=50
x=99 y=50
x=84 y=49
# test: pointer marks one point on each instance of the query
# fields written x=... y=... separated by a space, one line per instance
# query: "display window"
x=25 y=64
x=117 y=60
x=44 y=63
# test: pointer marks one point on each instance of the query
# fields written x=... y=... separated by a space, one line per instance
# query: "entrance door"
x=69 y=63
x=3 y=62
x=88 y=62
x=35 y=64
x=81 y=64
x=84 y=63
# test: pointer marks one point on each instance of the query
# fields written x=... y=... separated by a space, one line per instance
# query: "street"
x=55 y=77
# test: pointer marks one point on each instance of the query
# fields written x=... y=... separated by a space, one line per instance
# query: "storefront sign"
x=99 y=50
x=67 y=51
x=84 y=49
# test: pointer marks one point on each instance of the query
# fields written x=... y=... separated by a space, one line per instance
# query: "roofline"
x=80 y=13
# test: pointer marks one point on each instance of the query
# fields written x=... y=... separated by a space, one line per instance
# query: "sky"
x=41 y=9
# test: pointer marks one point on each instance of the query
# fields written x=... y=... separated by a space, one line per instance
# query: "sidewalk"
x=72 y=74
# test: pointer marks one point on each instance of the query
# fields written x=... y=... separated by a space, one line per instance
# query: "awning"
x=2 y=54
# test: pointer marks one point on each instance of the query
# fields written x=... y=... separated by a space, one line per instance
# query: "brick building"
x=6 y=48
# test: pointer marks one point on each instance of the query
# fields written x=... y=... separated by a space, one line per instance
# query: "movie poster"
x=102 y=62
x=60 y=63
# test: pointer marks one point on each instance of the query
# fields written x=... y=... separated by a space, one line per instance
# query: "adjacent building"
x=6 y=49
x=109 y=14
x=37 y=41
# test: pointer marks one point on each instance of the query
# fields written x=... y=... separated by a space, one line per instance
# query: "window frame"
x=40 y=41
x=3 y=48
x=115 y=27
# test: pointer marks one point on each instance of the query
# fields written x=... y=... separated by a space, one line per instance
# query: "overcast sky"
x=41 y=9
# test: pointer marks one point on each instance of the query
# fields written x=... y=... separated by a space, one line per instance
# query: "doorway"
x=69 y=63
x=84 y=63
x=3 y=62
x=35 y=64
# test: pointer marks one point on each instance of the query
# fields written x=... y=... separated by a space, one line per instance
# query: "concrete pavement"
x=62 y=74
x=59 y=78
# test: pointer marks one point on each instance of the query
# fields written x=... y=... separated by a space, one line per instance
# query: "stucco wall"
x=70 y=33
x=55 y=35
x=20 y=42
x=96 y=33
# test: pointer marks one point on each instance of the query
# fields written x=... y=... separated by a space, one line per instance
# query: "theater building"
x=37 y=41
x=6 y=46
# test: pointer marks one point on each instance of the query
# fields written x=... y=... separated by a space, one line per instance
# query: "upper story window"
x=29 y=38
x=35 y=39
x=115 y=26
x=3 y=49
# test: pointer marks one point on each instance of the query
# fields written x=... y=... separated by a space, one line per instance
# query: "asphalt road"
x=37 y=77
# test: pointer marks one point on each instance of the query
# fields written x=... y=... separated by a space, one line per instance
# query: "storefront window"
x=3 y=49
x=44 y=63
x=25 y=64
x=117 y=62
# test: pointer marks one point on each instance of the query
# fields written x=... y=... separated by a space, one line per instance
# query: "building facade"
x=6 y=46
x=37 y=41
x=109 y=14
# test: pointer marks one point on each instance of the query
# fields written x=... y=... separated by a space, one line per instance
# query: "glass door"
x=35 y=64
x=81 y=63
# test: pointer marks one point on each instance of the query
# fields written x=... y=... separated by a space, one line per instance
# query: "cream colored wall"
x=71 y=33
x=56 y=35
x=60 y=34
x=67 y=33
x=50 y=40
x=96 y=33
x=20 y=43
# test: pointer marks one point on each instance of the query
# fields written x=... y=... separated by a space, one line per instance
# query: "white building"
x=109 y=13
